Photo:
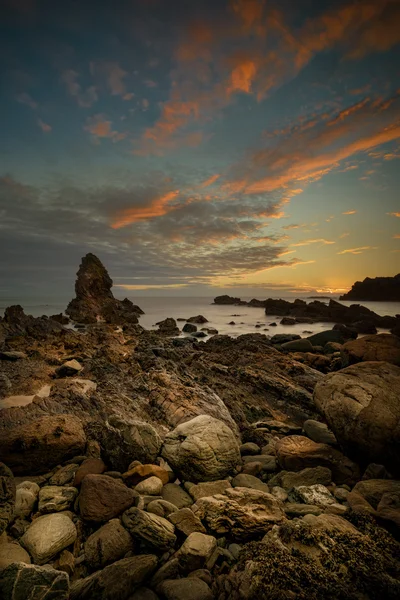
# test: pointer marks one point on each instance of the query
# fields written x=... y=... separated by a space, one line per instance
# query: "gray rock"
x=152 y=529
x=202 y=449
x=53 y=498
x=117 y=581
x=195 y=551
x=319 y=432
x=186 y=589
x=249 y=481
x=7 y=496
x=47 y=536
x=173 y=493
x=186 y=521
x=108 y=544
x=314 y=494
x=241 y=512
x=208 y=488
x=20 y=581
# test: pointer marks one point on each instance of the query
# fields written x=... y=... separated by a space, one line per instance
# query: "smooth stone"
x=90 y=466
x=47 y=536
x=152 y=486
x=249 y=448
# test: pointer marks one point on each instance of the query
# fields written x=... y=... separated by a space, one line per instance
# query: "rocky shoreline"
x=146 y=466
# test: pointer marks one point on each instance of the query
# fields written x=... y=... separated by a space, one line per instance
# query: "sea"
x=246 y=319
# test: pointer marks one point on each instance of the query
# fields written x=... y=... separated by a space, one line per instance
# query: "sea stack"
x=94 y=299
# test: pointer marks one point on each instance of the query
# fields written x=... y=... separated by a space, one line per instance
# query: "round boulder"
x=361 y=405
x=202 y=449
x=382 y=347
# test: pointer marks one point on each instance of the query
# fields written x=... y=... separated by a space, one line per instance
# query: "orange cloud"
x=242 y=76
x=84 y=98
x=113 y=74
x=394 y=214
x=314 y=241
x=44 y=126
x=100 y=127
x=357 y=250
x=349 y=212
x=396 y=236
x=157 y=207
x=379 y=34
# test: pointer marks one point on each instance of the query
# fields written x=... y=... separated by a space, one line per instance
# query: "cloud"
x=396 y=236
x=313 y=241
x=394 y=214
x=100 y=127
x=210 y=180
x=357 y=250
x=27 y=100
x=84 y=98
x=157 y=207
x=349 y=212
x=113 y=75
x=44 y=126
x=128 y=96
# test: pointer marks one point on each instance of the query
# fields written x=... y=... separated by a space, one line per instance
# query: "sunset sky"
x=195 y=146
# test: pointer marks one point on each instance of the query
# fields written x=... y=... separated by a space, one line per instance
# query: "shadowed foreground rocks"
x=146 y=467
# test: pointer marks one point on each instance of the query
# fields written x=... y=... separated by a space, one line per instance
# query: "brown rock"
x=108 y=544
x=36 y=447
x=186 y=521
x=7 y=496
x=359 y=504
x=381 y=347
x=296 y=452
x=373 y=489
x=389 y=509
x=90 y=466
x=103 y=498
x=141 y=472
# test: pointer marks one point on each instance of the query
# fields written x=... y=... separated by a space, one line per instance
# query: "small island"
x=379 y=289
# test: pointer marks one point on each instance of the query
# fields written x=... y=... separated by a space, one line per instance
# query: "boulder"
x=21 y=580
x=127 y=440
x=319 y=432
x=309 y=476
x=199 y=319
x=117 y=581
x=389 y=510
x=195 y=551
x=94 y=299
x=362 y=407
x=54 y=498
x=297 y=452
x=168 y=327
x=47 y=536
x=38 y=446
x=284 y=338
x=241 y=512
x=202 y=449
x=186 y=521
x=298 y=346
x=12 y=553
x=152 y=529
x=189 y=328
x=107 y=545
x=102 y=498
x=385 y=289
x=90 y=466
x=372 y=490
x=323 y=337
x=249 y=449
x=190 y=588
x=7 y=496
x=382 y=347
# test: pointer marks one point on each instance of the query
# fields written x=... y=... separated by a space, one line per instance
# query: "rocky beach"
x=144 y=465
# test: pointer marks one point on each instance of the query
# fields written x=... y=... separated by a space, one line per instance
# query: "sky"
x=199 y=147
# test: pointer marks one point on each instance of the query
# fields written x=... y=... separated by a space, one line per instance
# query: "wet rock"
x=54 y=498
x=117 y=581
x=21 y=580
x=186 y=522
x=103 y=498
x=7 y=496
x=202 y=449
x=298 y=346
x=361 y=406
x=284 y=338
x=189 y=328
x=296 y=452
x=168 y=327
x=319 y=432
x=198 y=320
x=242 y=512
x=152 y=529
x=38 y=446
x=125 y=440
x=47 y=536
x=108 y=544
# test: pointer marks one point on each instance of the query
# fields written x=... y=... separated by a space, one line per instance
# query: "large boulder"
x=124 y=441
x=7 y=496
x=117 y=581
x=241 y=512
x=21 y=580
x=202 y=449
x=94 y=299
x=296 y=452
x=361 y=405
x=47 y=536
x=102 y=498
x=381 y=347
x=35 y=448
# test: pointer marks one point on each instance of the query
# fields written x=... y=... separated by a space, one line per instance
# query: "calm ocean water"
x=246 y=318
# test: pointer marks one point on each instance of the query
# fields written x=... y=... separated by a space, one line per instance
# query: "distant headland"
x=379 y=289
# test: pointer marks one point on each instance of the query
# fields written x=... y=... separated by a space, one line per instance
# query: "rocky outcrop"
x=94 y=299
x=38 y=446
x=227 y=300
x=385 y=289
x=383 y=347
x=361 y=405
x=203 y=449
